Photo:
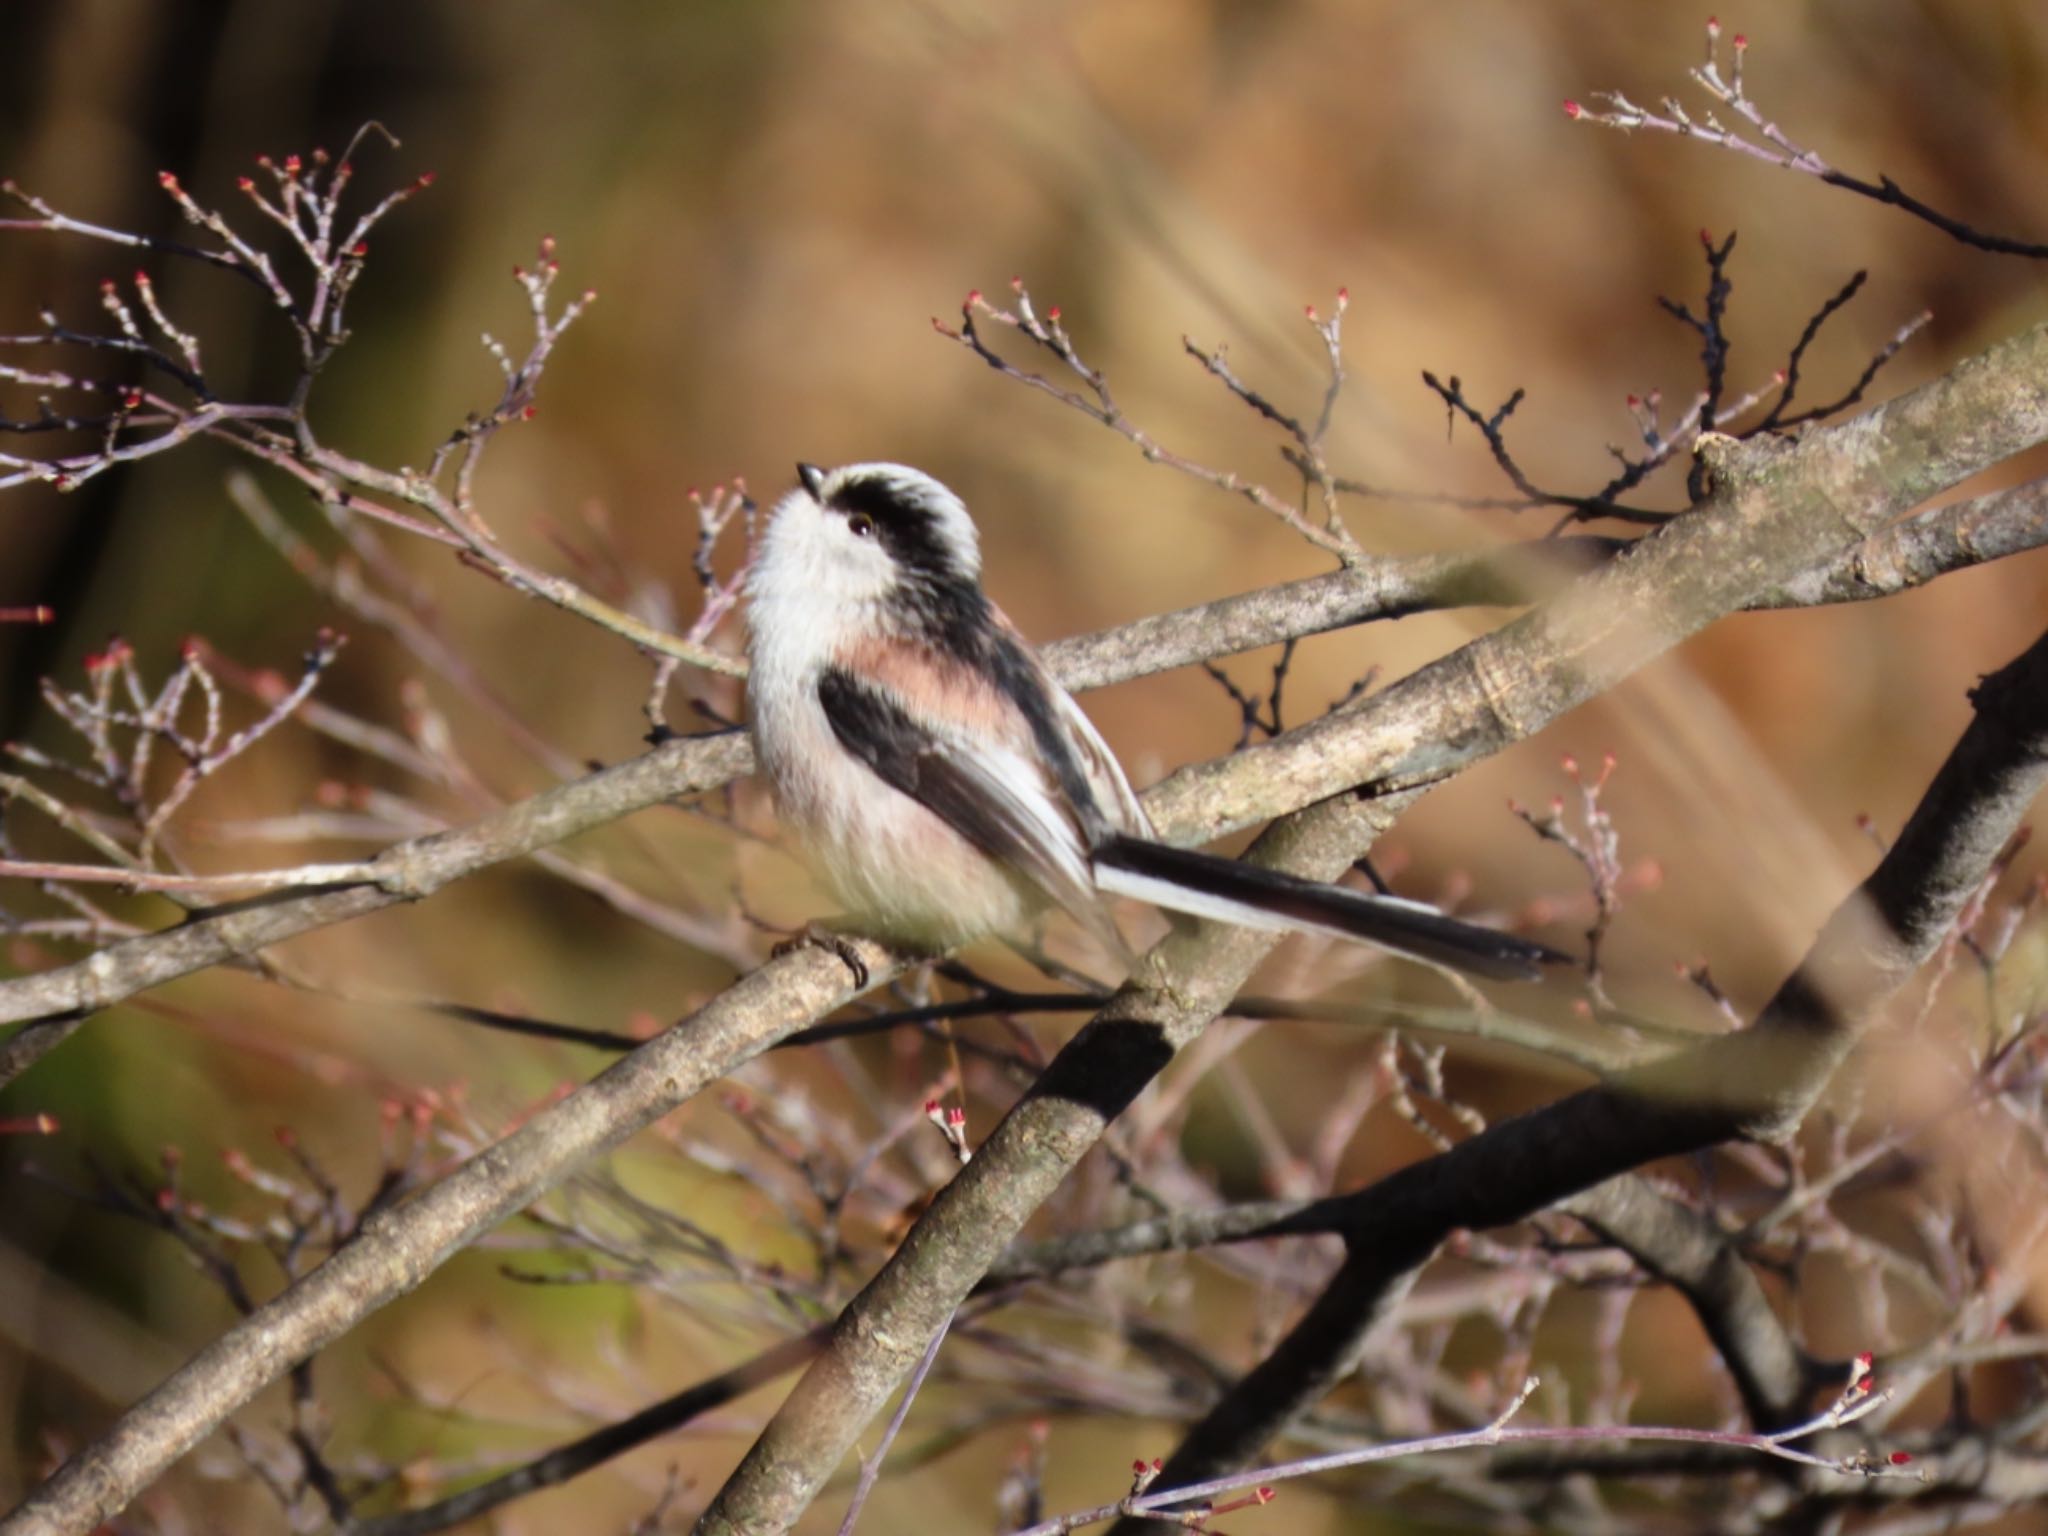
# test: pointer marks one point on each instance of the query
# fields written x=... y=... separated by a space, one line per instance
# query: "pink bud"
x=1573 y=110
x=1741 y=41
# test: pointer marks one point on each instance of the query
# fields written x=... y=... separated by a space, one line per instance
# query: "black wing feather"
x=1406 y=927
x=964 y=785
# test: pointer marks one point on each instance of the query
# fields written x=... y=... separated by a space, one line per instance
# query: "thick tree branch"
x=1676 y=1244
x=57 y=1001
x=1778 y=510
x=1909 y=553
x=1759 y=1083
x=1774 y=513
x=1773 y=517
x=398 y=1248
x=1686 y=1249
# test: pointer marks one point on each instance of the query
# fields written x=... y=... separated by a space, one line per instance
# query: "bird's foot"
x=818 y=936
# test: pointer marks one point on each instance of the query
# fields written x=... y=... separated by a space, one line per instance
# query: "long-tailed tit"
x=945 y=784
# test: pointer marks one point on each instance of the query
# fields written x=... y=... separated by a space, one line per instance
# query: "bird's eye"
x=861 y=525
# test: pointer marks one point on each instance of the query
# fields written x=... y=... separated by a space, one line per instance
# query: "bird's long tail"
x=1232 y=891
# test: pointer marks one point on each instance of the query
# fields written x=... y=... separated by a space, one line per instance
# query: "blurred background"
x=771 y=201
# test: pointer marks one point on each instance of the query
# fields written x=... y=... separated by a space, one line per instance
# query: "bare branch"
x=1770 y=517
x=1770 y=144
x=1758 y=1083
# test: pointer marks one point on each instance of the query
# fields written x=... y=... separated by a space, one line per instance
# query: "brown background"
x=771 y=200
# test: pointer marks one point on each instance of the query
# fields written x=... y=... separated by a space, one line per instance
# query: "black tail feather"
x=1269 y=898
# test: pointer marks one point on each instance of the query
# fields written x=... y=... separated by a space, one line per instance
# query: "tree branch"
x=1773 y=513
x=1773 y=516
x=1779 y=510
x=396 y=1249
x=1758 y=1083
x=1906 y=555
x=579 y=1456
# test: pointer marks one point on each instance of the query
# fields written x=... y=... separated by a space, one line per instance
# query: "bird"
x=946 y=786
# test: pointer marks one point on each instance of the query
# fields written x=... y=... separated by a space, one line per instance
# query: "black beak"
x=813 y=478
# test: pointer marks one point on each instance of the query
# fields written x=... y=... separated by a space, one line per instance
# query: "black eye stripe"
x=906 y=526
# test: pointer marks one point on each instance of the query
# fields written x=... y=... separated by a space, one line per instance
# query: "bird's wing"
x=1115 y=800
x=986 y=784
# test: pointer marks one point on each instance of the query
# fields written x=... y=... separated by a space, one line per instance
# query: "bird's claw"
x=818 y=936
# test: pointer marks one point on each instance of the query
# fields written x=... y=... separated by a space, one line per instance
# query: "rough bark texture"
x=1776 y=515
x=1776 y=512
x=1758 y=1083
